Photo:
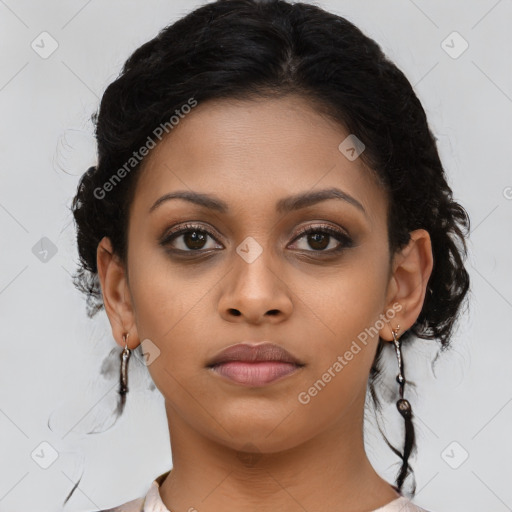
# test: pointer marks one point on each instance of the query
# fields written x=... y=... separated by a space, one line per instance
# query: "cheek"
x=172 y=308
x=345 y=302
x=165 y=294
x=343 y=321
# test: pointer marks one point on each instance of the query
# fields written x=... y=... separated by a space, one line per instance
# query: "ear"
x=116 y=294
x=411 y=270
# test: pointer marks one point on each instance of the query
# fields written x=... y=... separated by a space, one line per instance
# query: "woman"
x=268 y=216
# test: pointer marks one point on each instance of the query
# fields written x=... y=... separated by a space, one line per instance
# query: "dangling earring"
x=402 y=404
x=404 y=407
x=123 y=381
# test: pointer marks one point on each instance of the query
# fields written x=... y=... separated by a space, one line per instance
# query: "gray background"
x=52 y=353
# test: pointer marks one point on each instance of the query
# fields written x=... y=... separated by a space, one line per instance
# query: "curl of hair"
x=241 y=49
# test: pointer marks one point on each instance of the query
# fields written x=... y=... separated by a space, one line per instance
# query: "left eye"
x=320 y=238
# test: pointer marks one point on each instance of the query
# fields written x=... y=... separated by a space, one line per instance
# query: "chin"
x=255 y=435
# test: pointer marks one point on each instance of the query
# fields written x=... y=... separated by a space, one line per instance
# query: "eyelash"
x=345 y=240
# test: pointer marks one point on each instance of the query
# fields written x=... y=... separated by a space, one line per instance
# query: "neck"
x=330 y=470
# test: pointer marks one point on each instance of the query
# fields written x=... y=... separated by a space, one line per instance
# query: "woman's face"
x=249 y=275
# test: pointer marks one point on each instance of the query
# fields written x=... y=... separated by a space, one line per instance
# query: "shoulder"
x=151 y=502
x=402 y=504
x=136 y=505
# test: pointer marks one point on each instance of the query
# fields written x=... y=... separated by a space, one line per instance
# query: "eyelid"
x=322 y=227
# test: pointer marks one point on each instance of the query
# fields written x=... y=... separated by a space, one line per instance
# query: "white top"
x=152 y=502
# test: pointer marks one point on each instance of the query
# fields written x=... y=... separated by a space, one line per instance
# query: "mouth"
x=254 y=364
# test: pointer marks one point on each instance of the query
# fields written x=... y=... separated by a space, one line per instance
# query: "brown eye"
x=319 y=238
x=193 y=239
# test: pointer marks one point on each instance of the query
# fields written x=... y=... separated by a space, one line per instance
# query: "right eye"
x=193 y=237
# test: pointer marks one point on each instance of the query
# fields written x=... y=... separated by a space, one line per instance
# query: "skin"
x=242 y=448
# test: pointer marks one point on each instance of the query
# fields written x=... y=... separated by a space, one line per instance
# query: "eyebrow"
x=285 y=205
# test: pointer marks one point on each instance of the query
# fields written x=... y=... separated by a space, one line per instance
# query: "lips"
x=254 y=353
x=255 y=374
x=254 y=364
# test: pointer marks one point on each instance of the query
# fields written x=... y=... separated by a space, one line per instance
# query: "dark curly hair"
x=247 y=48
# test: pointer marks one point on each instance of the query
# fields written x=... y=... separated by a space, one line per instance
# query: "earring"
x=404 y=407
x=123 y=381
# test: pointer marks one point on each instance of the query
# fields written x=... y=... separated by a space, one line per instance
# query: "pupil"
x=195 y=238
x=316 y=238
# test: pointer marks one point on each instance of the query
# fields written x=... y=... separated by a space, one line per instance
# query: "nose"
x=255 y=293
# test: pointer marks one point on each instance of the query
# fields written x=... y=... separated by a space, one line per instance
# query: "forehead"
x=255 y=151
